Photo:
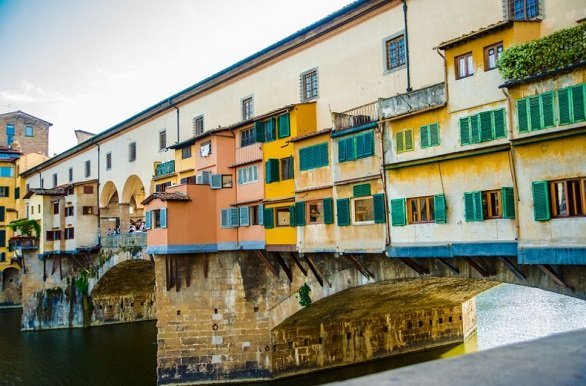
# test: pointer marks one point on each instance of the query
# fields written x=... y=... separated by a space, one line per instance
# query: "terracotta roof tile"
x=166 y=196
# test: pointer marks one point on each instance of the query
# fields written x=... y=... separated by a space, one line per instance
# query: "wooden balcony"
x=247 y=154
x=24 y=242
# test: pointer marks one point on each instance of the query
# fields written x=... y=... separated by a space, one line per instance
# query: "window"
x=28 y=131
x=356 y=147
x=248 y=175
x=53 y=235
x=283 y=216
x=4 y=191
x=419 y=210
x=162 y=139
x=429 y=135
x=256 y=215
x=132 y=152
x=54 y=179
x=492 y=54
x=395 y=52
x=188 y=180
x=88 y=190
x=363 y=210
x=69 y=190
x=559 y=199
x=226 y=181
x=523 y=9
x=286 y=168
x=87 y=210
x=247 y=137
x=186 y=152
x=205 y=149
x=9 y=134
x=109 y=160
x=315 y=212
x=70 y=174
x=56 y=208
x=404 y=140
x=88 y=168
x=162 y=187
x=464 y=66
x=198 y=125
x=17 y=193
x=483 y=127
x=309 y=85
x=69 y=234
x=42 y=183
x=6 y=171
x=489 y=204
x=247 y=108
x=313 y=157
x=69 y=211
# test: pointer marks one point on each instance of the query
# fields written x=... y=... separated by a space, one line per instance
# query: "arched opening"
x=109 y=209
x=10 y=287
x=125 y=293
x=131 y=209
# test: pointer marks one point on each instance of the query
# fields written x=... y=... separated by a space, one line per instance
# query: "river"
x=125 y=354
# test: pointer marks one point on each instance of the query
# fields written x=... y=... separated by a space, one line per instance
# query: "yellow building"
x=9 y=192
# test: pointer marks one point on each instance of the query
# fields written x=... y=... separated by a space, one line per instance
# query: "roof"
x=310 y=135
x=192 y=140
x=19 y=112
x=58 y=191
x=166 y=196
x=475 y=34
x=327 y=24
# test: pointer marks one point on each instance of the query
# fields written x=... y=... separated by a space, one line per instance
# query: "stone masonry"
x=37 y=143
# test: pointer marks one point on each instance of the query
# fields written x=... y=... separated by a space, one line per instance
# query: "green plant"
x=26 y=227
x=82 y=282
x=304 y=298
x=558 y=50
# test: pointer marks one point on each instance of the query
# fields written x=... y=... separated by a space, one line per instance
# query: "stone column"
x=124 y=217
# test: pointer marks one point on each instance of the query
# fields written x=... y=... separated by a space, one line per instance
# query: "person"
x=142 y=227
x=131 y=228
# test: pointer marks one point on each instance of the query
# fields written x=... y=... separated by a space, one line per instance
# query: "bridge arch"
x=108 y=195
x=10 y=286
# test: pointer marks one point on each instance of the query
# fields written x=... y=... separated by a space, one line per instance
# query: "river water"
x=125 y=354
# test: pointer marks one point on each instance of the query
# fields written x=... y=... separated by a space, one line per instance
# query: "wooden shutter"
x=361 y=190
x=409 y=140
x=439 y=206
x=400 y=140
x=284 y=126
x=341 y=151
x=260 y=214
x=163 y=217
x=380 y=213
x=147 y=219
x=541 y=206
x=478 y=215
x=269 y=218
x=434 y=137
x=322 y=155
x=424 y=136
x=244 y=213
x=464 y=131
x=398 y=212
x=306 y=159
x=234 y=217
x=328 y=205
x=474 y=129
x=564 y=110
x=272 y=170
x=485 y=119
x=360 y=146
x=522 y=117
x=500 y=126
x=369 y=143
x=547 y=109
x=216 y=181
x=534 y=113
x=292 y=215
x=343 y=211
x=259 y=131
x=578 y=107
x=508 y=202
x=2 y=214
x=350 y=149
x=300 y=213
x=2 y=238
x=270 y=130
x=473 y=206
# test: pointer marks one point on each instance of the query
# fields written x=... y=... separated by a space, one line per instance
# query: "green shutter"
x=269 y=126
x=163 y=218
x=508 y=202
x=534 y=113
x=260 y=213
x=486 y=133
x=564 y=106
x=328 y=205
x=500 y=126
x=300 y=213
x=398 y=217
x=147 y=219
x=292 y=215
x=474 y=129
x=424 y=136
x=478 y=215
x=343 y=211
x=578 y=107
x=259 y=131
x=17 y=193
x=380 y=215
x=473 y=206
x=284 y=127
x=291 y=167
x=360 y=146
x=464 y=131
x=400 y=139
x=269 y=218
x=522 y=117
x=2 y=238
x=323 y=158
x=541 y=209
x=306 y=158
x=434 y=137
x=409 y=140
x=547 y=109
x=439 y=206
x=234 y=217
x=2 y=214
x=369 y=143
x=361 y=190
x=350 y=148
x=244 y=213
x=272 y=170
x=342 y=151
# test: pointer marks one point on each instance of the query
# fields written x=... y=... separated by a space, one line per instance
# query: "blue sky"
x=89 y=64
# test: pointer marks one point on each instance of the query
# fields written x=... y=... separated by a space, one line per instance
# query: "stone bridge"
x=234 y=316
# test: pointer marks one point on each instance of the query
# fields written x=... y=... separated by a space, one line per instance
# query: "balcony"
x=164 y=168
x=423 y=99
x=125 y=240
x=355 y=117
x=23 y=242
x=246 y=154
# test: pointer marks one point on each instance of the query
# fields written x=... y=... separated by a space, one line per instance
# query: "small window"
x=69 y=234
x=9 y=134
x=491 y=204
x=162 y=187
x=88 y=210
x=205 y=149
x=6 y=171
x=54 y=179
x=198 y=125
x=363 y=210
x=162 y=139
x=568 y=198
x=283 y=216
x=315 y=212
x=247 y=108
x=17 y=193
x=492 y=54
x=247 y=137
x=464 y=66
x=395 y=52
x=186 y=152
x=523 y=9
x=132 y=152
x=420 y=210
x=28 y=131
x=404 y=140
x=88 y=168
x=286 y=168
x=70 y=175
x=4 y=191
x=56 y=208
x=254 y=218
x=248 y=175
x=109 y=160
x=429 y=135
x=226 y=180
x=69 y=211
x=42 y=183
x=88 y=190
x=309 y=85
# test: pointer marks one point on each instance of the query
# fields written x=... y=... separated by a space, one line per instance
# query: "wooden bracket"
x=267 y=262
x=298 y=263
x=45 y=269
x=316 y=272
x=363 y=269
x=485 y=272
x=553 y=275
x=206 y=265
x=187 y=268
x=420 y=269
x=513 y=268
x=283 y=265
x=448 y=265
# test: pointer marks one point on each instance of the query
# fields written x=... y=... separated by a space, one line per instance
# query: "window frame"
x=429 y=208
x=204 y=144
x=109 y=160
x=309 y=84
x=247 y=172
x=398 y=37
x=26 y=131
x=70 y=175
x=247 y=107
x=132 y=151
x=353 y=210
x=488 y=210
x=321 y=218
x=577 y=199
x=247 y=139
x=163 y=140
x=512 y=14
x=186 y=152
x=403 y=142
x=469 y=65
x=55 y=180
x=286 y=168
x=283 y=209
x=495 y=46
x=198 y=125
x=88 y=168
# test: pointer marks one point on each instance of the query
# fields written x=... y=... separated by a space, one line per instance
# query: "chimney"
x=82 y=135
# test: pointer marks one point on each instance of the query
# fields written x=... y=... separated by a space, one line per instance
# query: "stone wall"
x=38 y=143
x=10 y=288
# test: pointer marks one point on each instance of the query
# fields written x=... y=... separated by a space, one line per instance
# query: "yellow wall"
x=9 y=204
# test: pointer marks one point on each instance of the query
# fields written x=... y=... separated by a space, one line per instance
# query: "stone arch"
x=133 y=189
x=10 y=281
x=108 y=195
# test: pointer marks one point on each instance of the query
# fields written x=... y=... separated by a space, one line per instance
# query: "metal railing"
x=122 y=240
x=357 y=116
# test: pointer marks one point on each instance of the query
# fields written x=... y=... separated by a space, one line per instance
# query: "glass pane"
x=414 y=213
x=283 y=218
x=431 y=208
x=423 y=207
x=560 y=198
x=315 y=212
x=363 y=210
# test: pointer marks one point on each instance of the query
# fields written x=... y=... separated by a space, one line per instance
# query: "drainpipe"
x=409 y=89
x=98 y=199
x=384 y=179
x=445 y=72
x=511 y=156
x=174 y=106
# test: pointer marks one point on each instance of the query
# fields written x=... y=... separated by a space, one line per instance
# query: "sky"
x=90 y=64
